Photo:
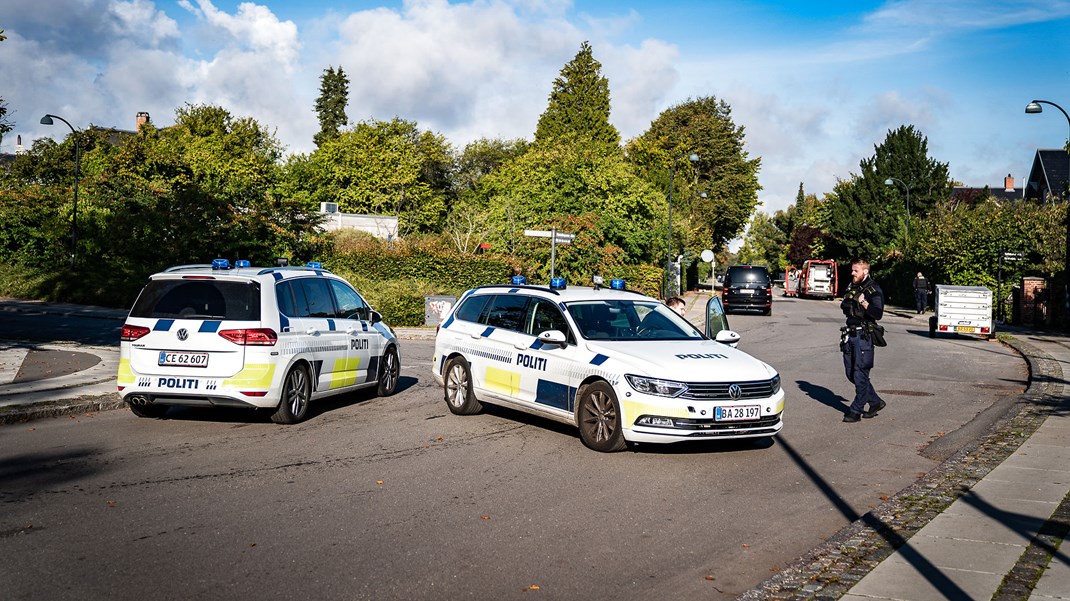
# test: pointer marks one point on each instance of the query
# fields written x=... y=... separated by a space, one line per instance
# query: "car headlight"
x=655 y=386
x=775 y=384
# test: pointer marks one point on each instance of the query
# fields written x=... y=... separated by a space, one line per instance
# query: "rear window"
x=739 y=275
x=199 y=299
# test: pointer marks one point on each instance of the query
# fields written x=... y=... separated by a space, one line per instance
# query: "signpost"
x=1010 y=257
x=556 y=238
x=707 y=256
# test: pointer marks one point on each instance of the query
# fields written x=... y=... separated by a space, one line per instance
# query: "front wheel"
x=389 y=368
x=458 y=388
x=598 y=417
x=296 y=393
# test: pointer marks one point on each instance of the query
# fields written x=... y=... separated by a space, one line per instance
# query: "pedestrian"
x=677 y=304
x=921 y=293
x=863 y=305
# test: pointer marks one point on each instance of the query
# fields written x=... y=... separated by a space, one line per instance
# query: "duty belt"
x=851 y=330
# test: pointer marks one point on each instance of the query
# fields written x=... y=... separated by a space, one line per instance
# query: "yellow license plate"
x=967 y=329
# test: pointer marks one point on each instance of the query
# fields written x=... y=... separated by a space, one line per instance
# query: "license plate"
x=746 y=291
x=184 y=359
x=967 y=329
x=728 y=414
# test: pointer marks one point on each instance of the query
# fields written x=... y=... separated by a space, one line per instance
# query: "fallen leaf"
x=710 y=578
x=884 y=497
x=774 y=569
x=485 y=517
x=439 y=438
x=251 y=545
x=28 y=526
x=111 y=503
x=746 y=546
x=534 y=587
x=379 y=482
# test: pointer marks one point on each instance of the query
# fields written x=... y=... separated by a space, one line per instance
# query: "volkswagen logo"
x=183 y=335
x=735 y=391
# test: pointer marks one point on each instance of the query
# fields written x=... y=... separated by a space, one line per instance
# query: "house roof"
x=1049 y=176
x=971 y=195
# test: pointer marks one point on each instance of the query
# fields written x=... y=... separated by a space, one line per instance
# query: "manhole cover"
x=906 y=392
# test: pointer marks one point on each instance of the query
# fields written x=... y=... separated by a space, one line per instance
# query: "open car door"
x=717 y=323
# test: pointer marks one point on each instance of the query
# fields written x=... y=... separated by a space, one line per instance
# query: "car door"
x=502 y=339
x=319 y=327
x=547 y=369
x=364 y=342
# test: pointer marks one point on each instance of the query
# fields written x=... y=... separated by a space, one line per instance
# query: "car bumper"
x=648 y=418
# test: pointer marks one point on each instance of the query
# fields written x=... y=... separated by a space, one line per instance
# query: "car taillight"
x=251 y=337
x=133 y=332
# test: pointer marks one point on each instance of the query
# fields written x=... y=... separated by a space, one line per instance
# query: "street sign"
x=1013 y=256
x=563 y=238
x=707 y=255
x=539 y=233
x=556 y=238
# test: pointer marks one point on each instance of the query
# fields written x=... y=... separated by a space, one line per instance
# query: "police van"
x=254 y=337
x=620 y=366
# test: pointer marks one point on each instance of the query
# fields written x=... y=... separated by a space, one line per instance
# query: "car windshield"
x=630 y=320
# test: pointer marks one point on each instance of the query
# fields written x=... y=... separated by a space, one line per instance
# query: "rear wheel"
x=598 y=417
x=148 y=410
x=389 y=368
x=458 y=388
x=296 y=393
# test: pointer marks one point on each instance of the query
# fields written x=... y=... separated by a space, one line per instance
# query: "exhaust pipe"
x=138 y=400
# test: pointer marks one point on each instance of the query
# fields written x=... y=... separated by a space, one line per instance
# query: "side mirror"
x=556 y=337
x=376 y=317
x=728 y=337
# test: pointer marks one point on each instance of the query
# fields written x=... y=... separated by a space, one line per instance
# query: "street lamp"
x=668 y=246
x=888 y=182
x=47 y=120
x=1031 y=109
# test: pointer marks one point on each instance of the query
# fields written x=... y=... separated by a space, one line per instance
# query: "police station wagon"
x=253 y=337
x=619 y=365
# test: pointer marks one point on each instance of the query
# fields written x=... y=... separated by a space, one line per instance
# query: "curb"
x=83 y=404
x=830 y=570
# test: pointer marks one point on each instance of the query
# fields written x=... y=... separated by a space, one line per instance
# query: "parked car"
x=620 y=366
x=252 y=337
x=748 y=288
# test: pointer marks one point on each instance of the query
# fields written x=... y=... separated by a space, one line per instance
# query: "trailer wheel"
x=932 y=327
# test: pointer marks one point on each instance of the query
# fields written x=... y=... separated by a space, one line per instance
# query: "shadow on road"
x=824 y=396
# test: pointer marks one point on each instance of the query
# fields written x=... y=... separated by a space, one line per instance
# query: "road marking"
x=10 y=362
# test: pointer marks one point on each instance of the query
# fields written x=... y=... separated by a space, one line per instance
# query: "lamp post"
x=47 y=120
x=888 y=182
x=1031 y=109
x=668 y=246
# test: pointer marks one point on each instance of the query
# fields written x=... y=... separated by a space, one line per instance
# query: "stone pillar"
x=1034 y=301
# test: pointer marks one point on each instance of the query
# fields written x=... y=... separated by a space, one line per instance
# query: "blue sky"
x=815 y=84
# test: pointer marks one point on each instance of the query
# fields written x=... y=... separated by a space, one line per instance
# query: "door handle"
x=312 y=331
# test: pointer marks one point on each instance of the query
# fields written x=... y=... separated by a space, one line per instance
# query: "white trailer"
x=962 y=310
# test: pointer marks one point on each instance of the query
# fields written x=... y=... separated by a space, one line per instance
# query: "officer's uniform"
x=856 y=342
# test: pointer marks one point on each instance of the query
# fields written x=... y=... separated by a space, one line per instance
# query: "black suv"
x=748 y=288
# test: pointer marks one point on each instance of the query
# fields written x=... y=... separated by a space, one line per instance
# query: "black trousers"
x=857 y=361
x=921 y=299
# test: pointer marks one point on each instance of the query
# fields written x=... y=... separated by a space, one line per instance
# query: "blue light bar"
x=557 y=283
x=519 y=280
x=617 y=284
x=315 y=265
x=220 y=264
x=242 y=263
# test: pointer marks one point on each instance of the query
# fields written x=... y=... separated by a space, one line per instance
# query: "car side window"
x=544 y=315
x=284 y=293
x=506 y=311
x=316 y=299
x=350 y=304
x=471 y=308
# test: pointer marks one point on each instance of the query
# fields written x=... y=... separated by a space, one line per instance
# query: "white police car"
x=255 y=337
x=619 y=365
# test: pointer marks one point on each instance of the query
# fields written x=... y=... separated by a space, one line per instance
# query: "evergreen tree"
x=5 y=124
x=331 y=104
x=579 y=103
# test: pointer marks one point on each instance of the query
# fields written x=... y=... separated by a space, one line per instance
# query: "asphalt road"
x=396 y=498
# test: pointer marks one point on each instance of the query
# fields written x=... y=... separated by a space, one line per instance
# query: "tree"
x=482 y=157
x=724 y=172
x=868 y=218
x=379 y=167
x=5 y=124
x=331 y=104
x=579 y=104
x=572 y=178
x=763 y=244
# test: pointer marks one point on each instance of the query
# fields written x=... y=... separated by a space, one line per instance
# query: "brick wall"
x=1034 y=306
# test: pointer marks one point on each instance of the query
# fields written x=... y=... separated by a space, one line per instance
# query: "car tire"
x=296 y=393
x=458 y=388
x=149 y=410
x=598 y=417
x=389 y=368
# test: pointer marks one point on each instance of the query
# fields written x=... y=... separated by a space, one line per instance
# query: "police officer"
x=863 y=305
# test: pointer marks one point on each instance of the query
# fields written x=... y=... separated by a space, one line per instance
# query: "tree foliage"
x=579 y=104
x=763 y=244
x=331 y=104
x=378 y=167
x=724 y=171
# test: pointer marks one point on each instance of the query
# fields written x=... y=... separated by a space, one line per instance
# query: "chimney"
x=1008 y=183
x=142 y=119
